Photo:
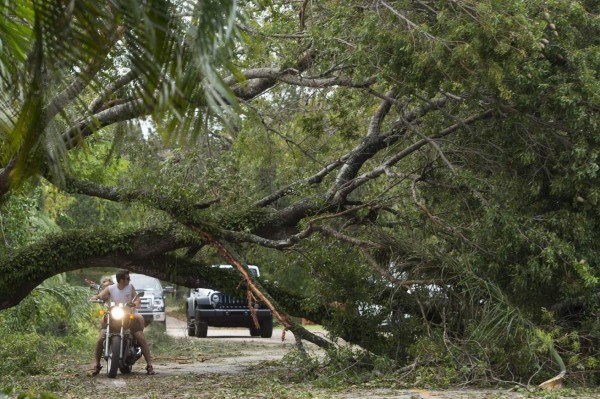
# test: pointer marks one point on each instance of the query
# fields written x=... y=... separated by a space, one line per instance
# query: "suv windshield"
x=145 y=283
x=253 y=269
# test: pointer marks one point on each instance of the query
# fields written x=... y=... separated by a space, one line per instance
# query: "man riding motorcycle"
x=123 y=292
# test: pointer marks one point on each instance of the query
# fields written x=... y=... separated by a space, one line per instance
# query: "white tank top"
x=121 y=296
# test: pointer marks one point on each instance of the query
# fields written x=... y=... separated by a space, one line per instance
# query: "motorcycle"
x=121 y=349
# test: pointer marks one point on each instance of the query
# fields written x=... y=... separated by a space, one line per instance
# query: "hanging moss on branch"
x=25 y=269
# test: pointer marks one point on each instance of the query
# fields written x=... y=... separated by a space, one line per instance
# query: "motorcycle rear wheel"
x=113 y=356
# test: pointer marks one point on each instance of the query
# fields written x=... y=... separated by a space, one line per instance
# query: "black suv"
x=206 y=307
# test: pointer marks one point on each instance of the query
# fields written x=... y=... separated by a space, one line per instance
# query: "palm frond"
x=72 y=299
x=60 y=54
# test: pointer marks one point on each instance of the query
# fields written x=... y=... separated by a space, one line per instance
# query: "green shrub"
x=25 y=353
x=49 y=320
x=9 y=394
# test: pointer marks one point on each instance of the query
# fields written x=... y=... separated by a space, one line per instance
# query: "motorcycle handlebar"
x=102 y=301
x=130 y=304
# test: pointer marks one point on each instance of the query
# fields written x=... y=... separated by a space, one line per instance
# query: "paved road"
x=178 y=328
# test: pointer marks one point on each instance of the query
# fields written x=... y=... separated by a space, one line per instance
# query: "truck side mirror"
x=168 y=290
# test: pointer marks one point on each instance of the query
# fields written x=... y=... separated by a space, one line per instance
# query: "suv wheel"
x=191 y=328
x=266 y=328
x=201 y=330
x=254 y=332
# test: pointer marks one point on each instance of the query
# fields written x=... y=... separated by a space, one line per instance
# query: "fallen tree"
x=421 y=179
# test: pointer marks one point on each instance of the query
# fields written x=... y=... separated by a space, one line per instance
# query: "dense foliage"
x=55 y=318
x=419 y=177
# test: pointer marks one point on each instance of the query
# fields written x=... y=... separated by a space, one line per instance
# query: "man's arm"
x=104 y=294
x=138 y=301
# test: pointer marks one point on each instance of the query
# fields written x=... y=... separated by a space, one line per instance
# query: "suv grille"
x=230 y=302
x=146 y=304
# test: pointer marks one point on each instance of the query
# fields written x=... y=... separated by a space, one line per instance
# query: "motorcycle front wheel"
x=113 y=356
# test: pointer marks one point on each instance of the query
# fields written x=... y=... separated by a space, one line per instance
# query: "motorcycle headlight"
x=117 y=313
x=215 y=298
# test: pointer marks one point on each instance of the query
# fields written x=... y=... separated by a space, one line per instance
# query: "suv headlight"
x=159 y=303
x=215 y=298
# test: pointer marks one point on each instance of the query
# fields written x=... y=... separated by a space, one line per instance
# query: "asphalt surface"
x=178 y=328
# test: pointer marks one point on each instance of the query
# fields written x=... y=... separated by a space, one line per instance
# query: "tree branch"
x=26 y=269
x=353 y=184
x=289 y=189
x=83 y=79
x=110 y=89
x=381 y=113
x=294 y=77
x=119 y=113
x=276 y=35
